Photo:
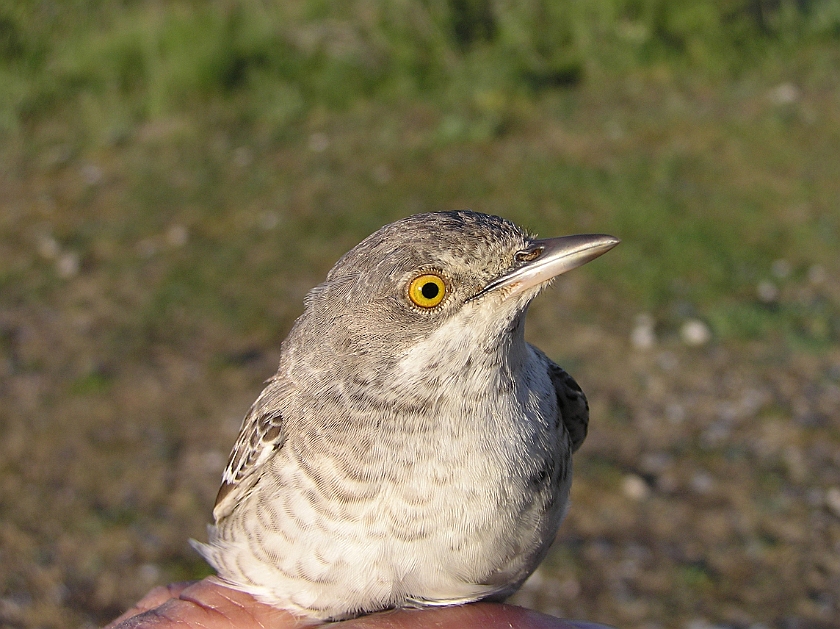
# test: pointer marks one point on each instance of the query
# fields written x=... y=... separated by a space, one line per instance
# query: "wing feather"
x=571 y=402
x=573 y=405
x=262 y=432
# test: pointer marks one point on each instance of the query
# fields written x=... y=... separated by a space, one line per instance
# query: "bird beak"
x=548 y=258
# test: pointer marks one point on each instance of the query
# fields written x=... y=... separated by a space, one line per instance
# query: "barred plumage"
x=412 y=448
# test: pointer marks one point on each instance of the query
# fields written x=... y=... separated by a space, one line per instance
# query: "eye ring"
x=427 y=290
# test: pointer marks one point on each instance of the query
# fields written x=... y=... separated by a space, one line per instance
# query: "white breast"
x=438 y=514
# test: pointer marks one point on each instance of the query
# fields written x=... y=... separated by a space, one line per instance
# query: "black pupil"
x=430 y=290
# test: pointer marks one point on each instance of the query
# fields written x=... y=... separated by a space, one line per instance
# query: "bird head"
x=462 y=275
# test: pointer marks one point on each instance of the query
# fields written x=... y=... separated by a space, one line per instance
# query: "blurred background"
x=175 y=175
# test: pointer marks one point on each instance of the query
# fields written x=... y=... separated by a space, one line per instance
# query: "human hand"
x=209 y=605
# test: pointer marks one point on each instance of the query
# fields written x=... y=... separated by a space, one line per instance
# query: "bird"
x=412 y=450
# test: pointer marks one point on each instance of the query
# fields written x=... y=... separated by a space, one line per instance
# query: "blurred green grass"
x=666 y=129
x=174 y=176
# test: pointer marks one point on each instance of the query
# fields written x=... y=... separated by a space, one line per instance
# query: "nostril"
x=530 y=254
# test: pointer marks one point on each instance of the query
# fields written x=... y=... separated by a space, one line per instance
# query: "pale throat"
x=476 y=340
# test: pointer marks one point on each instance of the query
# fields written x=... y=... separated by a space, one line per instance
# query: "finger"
x=209 y=605
x=473 y=616
x=155 y=598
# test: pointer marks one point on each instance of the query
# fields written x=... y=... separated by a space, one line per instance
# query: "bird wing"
x=261 y=434
x=571 y=402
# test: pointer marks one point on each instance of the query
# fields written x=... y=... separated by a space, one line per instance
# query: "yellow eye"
x=427 y=290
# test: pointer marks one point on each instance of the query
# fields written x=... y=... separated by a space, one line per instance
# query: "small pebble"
x=635 y=487
x=269 y=220
x=92 y=174
x=149 y=573
x=643 y=335
x=147 y=248
x=242 y=157
x=784 y=94
x=48 y=247
x=695 y=333
x=656 y=462
x=817 y=274
x=832 y=500
x=702 y=483
x=318 y=142
x=675 y=413
x=67 y=265
x=177 y=235
x=767 y=292
x=58 y=593
x=614 y=130
x=781 y=269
